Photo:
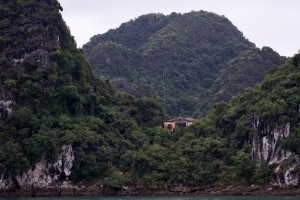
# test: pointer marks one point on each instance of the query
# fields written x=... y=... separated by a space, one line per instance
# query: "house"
x=178 y=122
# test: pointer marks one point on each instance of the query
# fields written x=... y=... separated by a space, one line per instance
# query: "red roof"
x=188 y=119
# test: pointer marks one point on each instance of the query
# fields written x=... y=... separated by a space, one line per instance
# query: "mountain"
x=64 y=131
x=250 y=139
x=240 y=73
x=245 y=71
x=267 y=118
x=55 y=113
x=177 y=57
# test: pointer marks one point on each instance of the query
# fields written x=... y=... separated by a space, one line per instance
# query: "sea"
x=160 y=198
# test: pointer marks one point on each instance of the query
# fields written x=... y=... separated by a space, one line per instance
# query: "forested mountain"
x=178 y=56
x=262 y=122
x=50 y=98
x=240 y=73
x=61 y=125
x=183 y=52
x=245 y=71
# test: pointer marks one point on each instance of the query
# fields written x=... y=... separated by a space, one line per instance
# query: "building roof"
x=181 y=119
x=189 y=119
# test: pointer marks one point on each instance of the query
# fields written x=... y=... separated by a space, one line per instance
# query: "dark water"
x=160 y=198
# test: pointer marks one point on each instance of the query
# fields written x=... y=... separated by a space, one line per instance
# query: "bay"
x=160 y=198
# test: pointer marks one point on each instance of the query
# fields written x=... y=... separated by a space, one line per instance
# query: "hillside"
x=240 y=73
x=183 y=52
x=66 y=132
x=52 y=104
x=245 y=71
x=252 y=139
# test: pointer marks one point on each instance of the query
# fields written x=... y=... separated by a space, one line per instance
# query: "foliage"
x=182 y=53
x=117 y=139
x=57 y=99
x=264 y=174
x=240 y=73
x=115 y=180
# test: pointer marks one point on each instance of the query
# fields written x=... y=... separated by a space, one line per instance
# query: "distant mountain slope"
x=240 y=73
x=132 y=34
x=246 y=70
x=182 y=53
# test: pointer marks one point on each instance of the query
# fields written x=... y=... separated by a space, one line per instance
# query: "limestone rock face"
x=265 y=148
x=5 y=103
x=287 y=175
x=43 y=174
x=264 y=142
x=32 y=40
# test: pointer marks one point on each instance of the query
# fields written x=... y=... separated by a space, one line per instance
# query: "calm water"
x=158 y=198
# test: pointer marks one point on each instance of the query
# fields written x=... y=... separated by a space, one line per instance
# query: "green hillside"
x=220 y=149
x=50 y=97
x=240 y=73
x=182 y=52
x=245 y=71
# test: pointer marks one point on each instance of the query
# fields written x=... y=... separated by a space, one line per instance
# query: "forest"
x=186 y=60
x=50 y=96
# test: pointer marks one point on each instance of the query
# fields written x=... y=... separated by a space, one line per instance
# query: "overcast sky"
x=273 y=23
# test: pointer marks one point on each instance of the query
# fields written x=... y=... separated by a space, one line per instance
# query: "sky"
x=272 y=23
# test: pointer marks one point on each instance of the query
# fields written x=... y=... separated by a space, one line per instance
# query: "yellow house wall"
x=189 y=123
x=167 y=123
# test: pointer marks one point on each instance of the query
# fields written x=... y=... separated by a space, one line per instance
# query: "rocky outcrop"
x=286 y=173
x=265 y=148
x=5 y=103
x=43 y=174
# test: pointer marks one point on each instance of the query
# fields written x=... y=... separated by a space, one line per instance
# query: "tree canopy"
x=54 y=98
x=181 y=58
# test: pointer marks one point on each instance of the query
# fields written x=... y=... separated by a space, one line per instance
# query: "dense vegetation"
x=216 y=149
x=240 y=73
x=179 y=57
x=245 y=71
x=56 y=97
x=57 y=100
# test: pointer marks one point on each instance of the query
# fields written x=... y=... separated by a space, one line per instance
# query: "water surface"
x=160 y=198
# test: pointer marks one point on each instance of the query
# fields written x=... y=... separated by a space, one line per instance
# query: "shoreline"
x=245 y=190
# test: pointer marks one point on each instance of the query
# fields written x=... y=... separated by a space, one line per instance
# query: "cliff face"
x=265 y=148
x=43 y=174
x=49 y=97
x=28 y=37
x=30 y=34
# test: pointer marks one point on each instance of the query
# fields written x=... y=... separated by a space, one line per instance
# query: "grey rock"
x=265 y=148
x=43 y=174
x=6 y=101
